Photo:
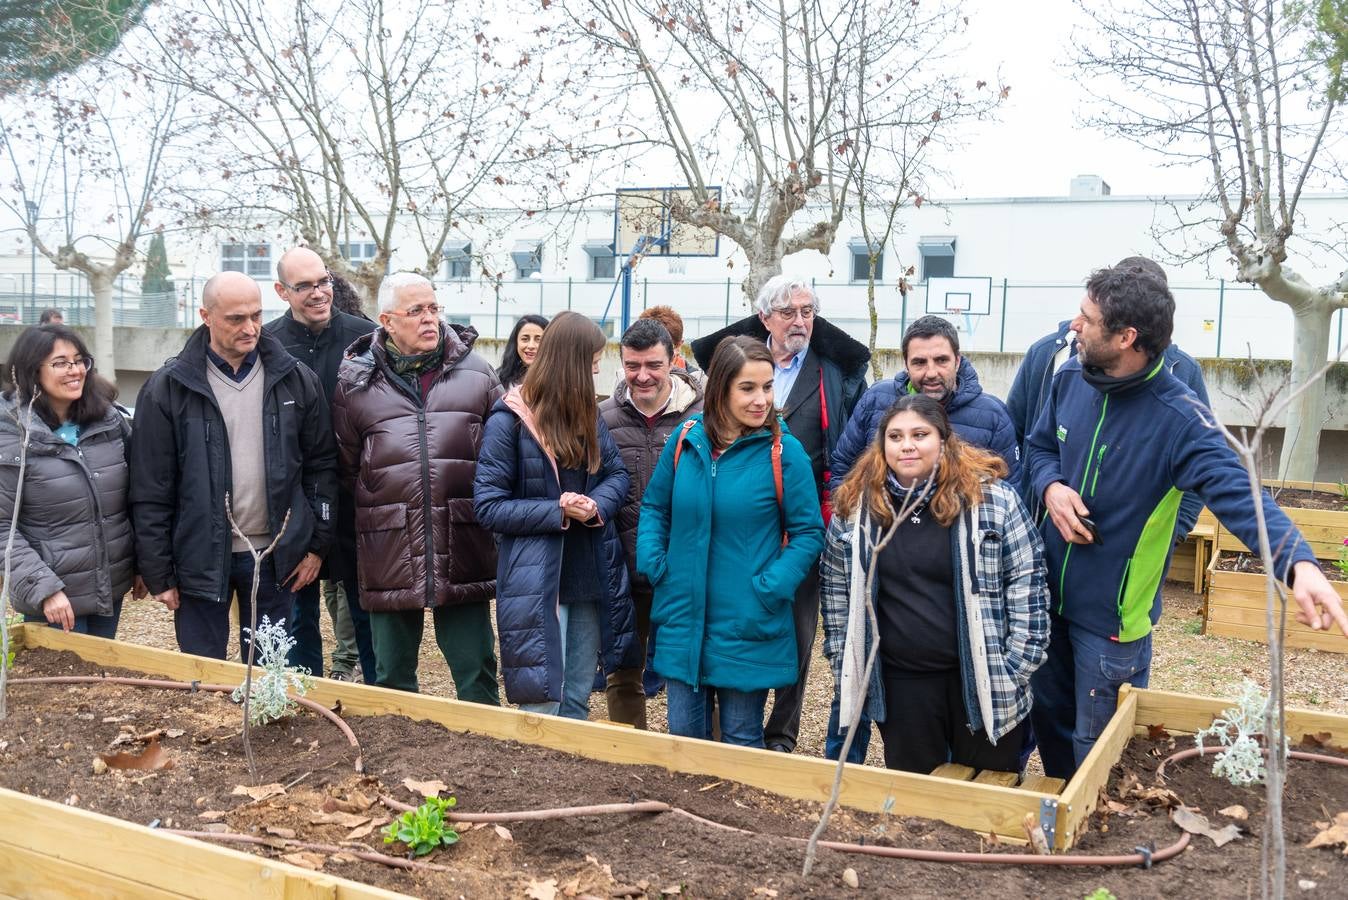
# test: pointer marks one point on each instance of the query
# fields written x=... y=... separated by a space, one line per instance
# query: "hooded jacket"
x=74 y=531
x=978 y=418
x=835 y=358
x=181 y=471
x=640 y=445
x=410 y=467
x=516 y=495
x=710 y=542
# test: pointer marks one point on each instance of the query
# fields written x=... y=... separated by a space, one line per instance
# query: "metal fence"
x=1213 y=319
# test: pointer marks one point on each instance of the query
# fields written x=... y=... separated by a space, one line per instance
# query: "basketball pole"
x=627 y=294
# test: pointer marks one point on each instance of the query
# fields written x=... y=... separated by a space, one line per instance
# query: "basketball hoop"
x=645 y=213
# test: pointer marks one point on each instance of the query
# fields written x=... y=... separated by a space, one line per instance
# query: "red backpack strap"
x=678 y=451
x=777 y=480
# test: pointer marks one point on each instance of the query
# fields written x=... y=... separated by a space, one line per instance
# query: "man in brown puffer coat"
x=410 y=402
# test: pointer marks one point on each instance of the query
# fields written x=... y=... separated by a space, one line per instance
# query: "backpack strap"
x=777 y=481
x=678 y=451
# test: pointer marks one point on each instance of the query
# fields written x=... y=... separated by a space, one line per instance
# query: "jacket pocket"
x=384 y=548
x=470 y=547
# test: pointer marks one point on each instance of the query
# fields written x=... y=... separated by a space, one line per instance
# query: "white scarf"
x=852 y=689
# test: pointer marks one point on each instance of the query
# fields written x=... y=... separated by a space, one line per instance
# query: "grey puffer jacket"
x=74 y=533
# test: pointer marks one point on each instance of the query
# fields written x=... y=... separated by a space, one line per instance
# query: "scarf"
x=409 y=367
x=1108 y=384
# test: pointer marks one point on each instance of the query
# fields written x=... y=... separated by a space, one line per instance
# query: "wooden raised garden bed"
x=1324 y=524
x=1236 y=603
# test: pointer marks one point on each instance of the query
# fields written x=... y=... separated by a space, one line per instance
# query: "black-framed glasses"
x=63 y=366
x=305 y=287
x=416 y=312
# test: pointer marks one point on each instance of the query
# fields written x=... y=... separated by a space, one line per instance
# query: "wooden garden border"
x=1323 y=529
x=1236 y=603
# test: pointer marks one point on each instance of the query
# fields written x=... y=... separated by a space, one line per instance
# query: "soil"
x=54 y=733
x=1231 y=561
x=1327 y=499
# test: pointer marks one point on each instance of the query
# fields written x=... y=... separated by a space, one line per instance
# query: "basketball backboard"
x=959 y=296
x=644 y=212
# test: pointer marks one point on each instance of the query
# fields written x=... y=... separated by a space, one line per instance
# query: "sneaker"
x=342 y=676
x=778 y=747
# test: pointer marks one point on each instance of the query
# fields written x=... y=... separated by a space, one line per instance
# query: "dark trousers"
x=202 y=625
x=624 y=692
x=305 y=630
x=783 y=725
x=360 y=620
x=464 y=635
x=95 y=626
x=926 y=725
x=1077 y=689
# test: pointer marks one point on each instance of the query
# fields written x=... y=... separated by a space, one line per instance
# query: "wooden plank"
x=1005 y=779
x=1308 y=640
x=1083 y=792
x=1043 y=784
x=38 y=876
x=1236 y=604
x=978 y=807
x=163 y=862
x=1187 y=713
x=953 y=771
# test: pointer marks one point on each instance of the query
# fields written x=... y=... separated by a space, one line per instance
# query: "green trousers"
x=465 y=638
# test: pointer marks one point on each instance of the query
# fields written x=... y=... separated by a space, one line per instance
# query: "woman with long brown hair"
x=729 y=527
x=550 y=483
x=959 y=592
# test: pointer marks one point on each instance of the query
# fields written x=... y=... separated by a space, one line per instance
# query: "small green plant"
x=270 y=700
x=1242 y=762
x=1342 y=561
x=1343 y=489
x=423 y=829
x=1100 y=893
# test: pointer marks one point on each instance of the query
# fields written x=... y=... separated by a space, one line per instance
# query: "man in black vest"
x=819 y=373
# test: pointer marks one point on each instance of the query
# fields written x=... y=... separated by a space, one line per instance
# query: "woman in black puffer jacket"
x=72 y=556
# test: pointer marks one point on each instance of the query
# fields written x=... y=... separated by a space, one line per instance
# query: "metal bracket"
x=1048 y=819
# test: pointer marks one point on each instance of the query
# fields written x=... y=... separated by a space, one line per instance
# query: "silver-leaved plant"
x=271 y=699
x=1238 y=729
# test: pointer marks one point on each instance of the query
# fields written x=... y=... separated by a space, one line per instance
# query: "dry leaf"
x=1196 y=823
x=211 y=815
x=849 y=877
x=1323 y=739
x=1157 y=732
x=361 y=831
x=603 y=867
x=174 y=733
x=305 y=860
x=343 y=858
x=765 y=892
x=432 y=788
x=504 y=833
x=672 y=891
x=281 y=832
x=346 y=820
x=259 y=793
x=154 y=757
x=708 y=787
x=1237 y=812
x=571 y=888
x=1331 y=835
x=542 y=890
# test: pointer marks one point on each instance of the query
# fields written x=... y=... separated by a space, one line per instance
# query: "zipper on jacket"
x=1099 y=458
x=427 y=526
x=1085 y=478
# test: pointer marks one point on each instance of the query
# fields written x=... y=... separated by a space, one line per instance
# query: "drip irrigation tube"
x=382 y=859
x=1291 y=754
x=198 y=686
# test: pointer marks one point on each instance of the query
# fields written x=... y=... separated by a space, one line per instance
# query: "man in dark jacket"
x=317 y=334
x=648 y=405
x=1119 y=439
x=410 y=403
x=819 y=374
x=1030 y=390
x=232 y=416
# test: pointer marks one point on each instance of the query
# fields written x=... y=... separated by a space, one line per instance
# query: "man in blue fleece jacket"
x=1118 y=442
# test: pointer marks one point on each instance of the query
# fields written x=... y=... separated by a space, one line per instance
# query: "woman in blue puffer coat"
x=549 y=484
x=726 y=536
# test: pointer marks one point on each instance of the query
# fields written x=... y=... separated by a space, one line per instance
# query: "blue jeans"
x=580 y=654
x=95 y=626
x=304 y=628
x=1077 y=689
x=741 y=712
x=202 y=625
x=360 y=620
x=833 y=741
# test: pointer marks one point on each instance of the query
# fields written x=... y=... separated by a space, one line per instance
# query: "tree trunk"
x=104 y=352
x=1307 y=414
x=762 y=266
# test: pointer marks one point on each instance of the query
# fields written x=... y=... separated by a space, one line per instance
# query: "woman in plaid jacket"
x=959 y=592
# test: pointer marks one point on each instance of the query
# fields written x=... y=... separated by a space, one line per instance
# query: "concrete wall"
x=142 y=350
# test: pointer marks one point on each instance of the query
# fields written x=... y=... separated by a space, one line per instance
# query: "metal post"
x=645 y=289
x=540 y=296
x=1339 y=347
x=1001 y=342
x=32 y=256
x=568 y=292
x=727 y=301
x=627 y=295
x=496 y=328
x=1221 y=306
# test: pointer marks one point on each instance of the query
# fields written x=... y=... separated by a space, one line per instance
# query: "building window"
x=528 y=258
x=938 y=256
x=861 y=260
x=602 y=263
x=458 y=260
x=358 y=252
x=253 y=260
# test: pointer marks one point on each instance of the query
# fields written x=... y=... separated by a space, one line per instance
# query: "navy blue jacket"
x=978 y=418
x=515 y=495
x=1129 y=454
x=1030 y=390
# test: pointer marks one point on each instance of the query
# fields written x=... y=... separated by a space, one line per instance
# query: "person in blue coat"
x=726 y=536
x=549 y=484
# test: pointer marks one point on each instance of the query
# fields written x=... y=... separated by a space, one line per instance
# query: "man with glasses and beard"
x=316 y=333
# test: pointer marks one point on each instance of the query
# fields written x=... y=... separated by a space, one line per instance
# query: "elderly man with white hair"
x=410 y=402
x=819 y=373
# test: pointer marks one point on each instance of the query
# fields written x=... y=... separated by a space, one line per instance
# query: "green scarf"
x=409 y=367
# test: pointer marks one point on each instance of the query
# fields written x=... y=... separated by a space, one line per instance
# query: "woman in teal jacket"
x=726 y=535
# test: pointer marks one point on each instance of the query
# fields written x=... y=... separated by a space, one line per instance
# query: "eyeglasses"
x=305 y=287
x=416 y=312
x=789 y=313
x=63 y=366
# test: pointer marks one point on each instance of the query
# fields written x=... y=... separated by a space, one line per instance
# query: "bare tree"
x=40 y=39
x=765 y=98
x=88 y=155
x=360 y=122
x=1252 y=90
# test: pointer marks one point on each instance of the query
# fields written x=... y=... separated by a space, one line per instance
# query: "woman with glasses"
x=72 y=554
x=550 y=483
x=520 y=349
